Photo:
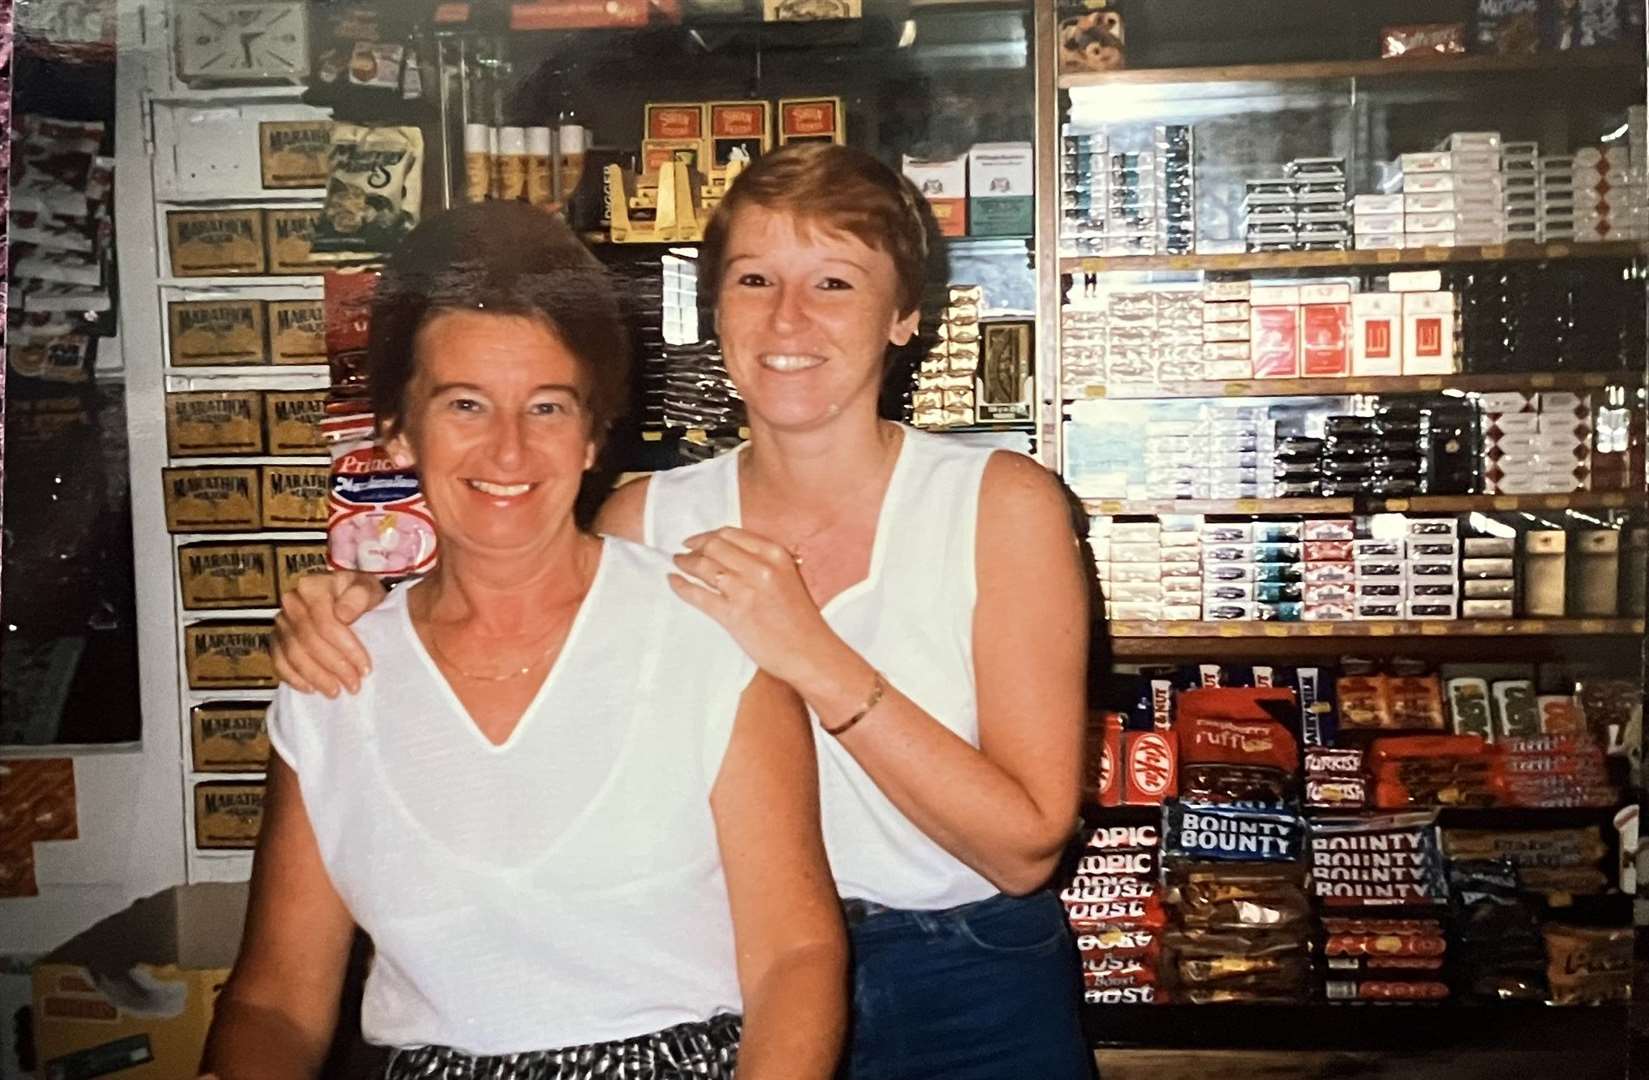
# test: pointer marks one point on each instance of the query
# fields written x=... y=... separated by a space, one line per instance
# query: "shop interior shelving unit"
x=1256 y=72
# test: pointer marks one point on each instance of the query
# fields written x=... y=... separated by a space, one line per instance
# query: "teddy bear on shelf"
x=1092 y=41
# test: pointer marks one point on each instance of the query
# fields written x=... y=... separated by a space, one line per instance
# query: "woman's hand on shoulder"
x=752 y=587
x=315 y=651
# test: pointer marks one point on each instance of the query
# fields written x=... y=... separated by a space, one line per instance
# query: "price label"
x=1110 y=506
x=1430 y=382
x=1557 y=251
x=1593 y=381
x=1360 y=386
x=1436 y=254
x=1092 y=266
x=1319 y=629
x=1614 y=500
x=1093 y=391
x=1494 y=251
x=1544 y=380
x=1504 y=502
x=1182 y=262
x=1439 y=628
x=1382 y=629
x=1388 y=255
x=1238 y=389
x=1180 y=629
x=1593 y=626
x=1276 y=629
x=1248 y=506
x=1397 y=504
x=1230 y=629
x=1554 y=502
x=652 y=436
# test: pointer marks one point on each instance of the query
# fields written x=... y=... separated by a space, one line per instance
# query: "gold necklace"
x=794 y=549
x=507 y=676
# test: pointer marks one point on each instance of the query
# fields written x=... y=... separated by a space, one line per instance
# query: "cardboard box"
x=212 y=499
x=228 y=655
x=1274 y=334
x=1428 y=334
x=289 y=234
x=1544 y=573
x=228 y=815
x=133 y=995
x=1377 y=334
x=739 y=129
x=297 y=332
x=1005 y=381
x=293 y=419
x=216 y=332
x=297 y=560
x=1325 y=340
x=293 y=153
x=812 y=120
x=212 y=423
x=945 y=186
x=229 y=736
x=226 y=576
x=215 y=243
x=295 y=496
x=1001 y=180
x=658 y=155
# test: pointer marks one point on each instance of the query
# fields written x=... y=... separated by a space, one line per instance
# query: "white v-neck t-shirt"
x=911 y=617
x=563 y=887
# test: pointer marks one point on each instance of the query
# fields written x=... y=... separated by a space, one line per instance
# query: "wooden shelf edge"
x=1433 y=504
x=1215 y=631
x=1513 y=251
x=1577 y=60
x=1363 y=384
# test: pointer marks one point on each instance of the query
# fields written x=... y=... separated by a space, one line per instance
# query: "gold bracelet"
x=877 y=689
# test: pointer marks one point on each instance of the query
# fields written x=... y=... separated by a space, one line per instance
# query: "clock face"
x=228 y=41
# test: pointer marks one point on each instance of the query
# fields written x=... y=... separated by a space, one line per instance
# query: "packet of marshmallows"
x=378 y=521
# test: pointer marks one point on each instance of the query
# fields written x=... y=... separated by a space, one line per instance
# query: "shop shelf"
x=1623 y=60
x=1517 y=251
x=1587 y=1033
x=1441 y=504
x=1451 y=639
x=1382 y=384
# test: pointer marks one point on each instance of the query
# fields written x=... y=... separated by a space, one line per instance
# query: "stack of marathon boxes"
x=1304 y=211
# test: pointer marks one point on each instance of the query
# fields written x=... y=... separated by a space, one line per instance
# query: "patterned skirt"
x=707 y=1050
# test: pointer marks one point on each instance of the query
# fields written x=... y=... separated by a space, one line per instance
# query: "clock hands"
x=246 y=44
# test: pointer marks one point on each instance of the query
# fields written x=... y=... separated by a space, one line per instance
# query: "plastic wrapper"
x=1423 y=40
x=1236 y=785
x=348 y=304
x=1588 y=965
x=1374 y=989
x=1391 y=860
x=373 y=192
x=378 y=520
x=1196 y=831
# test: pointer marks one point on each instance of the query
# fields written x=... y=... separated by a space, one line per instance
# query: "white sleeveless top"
x=912 y=618
x=564 y=887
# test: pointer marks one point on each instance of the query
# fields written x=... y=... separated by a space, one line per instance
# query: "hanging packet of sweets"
x=348 y=310
x=1365 y=862
x=374 y=193
x=378 y=521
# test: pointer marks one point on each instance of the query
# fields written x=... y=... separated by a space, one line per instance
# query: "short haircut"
x=504 y=258
x=835 y=188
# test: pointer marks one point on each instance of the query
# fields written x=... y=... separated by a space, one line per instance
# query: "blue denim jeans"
x=985 y=991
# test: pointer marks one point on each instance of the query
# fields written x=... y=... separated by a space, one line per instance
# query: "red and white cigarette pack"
x=1274 y=341
x=1325 y=330
x=1428 y=334
x=1377 y=334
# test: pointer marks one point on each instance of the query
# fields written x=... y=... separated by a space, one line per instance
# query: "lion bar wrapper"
x=378 y=521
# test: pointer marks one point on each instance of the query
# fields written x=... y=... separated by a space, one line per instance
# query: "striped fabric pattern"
x=708 y=1050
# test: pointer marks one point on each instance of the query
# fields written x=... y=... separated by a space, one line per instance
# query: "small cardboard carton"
x=133 y=995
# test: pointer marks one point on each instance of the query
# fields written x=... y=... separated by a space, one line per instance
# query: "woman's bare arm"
x=1008 y=807
x=792 y=950
x=275 y=1017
